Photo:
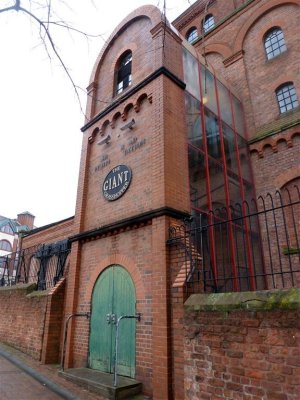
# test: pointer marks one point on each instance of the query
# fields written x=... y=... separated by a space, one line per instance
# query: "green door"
x=113 y=295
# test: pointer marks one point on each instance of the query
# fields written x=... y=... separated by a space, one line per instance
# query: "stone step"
x=102 y=383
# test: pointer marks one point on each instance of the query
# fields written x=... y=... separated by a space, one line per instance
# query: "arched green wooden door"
x=113 y=294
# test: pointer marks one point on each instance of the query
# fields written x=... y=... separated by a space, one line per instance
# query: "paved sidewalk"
x=16 y=384
x=23 y=378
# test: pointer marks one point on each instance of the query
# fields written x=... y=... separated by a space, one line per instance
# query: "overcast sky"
x=40 y=137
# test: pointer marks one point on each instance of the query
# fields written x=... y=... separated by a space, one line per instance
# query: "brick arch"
x=149 y=11
x=224 y=50
x=126 y=263
x=238 y=44
x=126 y=110
x=294 y=135
x=286 y=177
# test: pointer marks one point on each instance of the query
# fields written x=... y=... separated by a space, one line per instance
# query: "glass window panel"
x=286 y=97
x=238 y=116
x=234 y=190
x=230 y=148
x=274 y=43
x=212 y=135
x=209 y=22
x=249 y=193
x=192 y=35
x=197 y=179
x=208 y=90
x=244 y=158
x=224 y=101
x=217 y=186
x=191 y=73
x=194 y=125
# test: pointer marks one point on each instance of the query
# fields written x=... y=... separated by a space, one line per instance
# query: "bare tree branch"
x=44 y=31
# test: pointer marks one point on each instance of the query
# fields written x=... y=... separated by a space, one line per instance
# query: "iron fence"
x=250 y=246
x=43 y=264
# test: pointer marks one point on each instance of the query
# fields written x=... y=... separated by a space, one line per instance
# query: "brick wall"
x=49 y=233
x=34 y=326
x=275 y=161
x=242 y=355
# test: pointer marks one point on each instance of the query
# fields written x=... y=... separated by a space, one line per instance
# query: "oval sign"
x=116 y=182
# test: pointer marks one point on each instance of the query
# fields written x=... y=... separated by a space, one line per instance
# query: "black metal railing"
x=43 y=264
x=249 y=246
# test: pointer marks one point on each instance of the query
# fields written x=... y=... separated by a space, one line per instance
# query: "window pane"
x=230 y=148
x=209 y=23
x=217 y=187
x=287 y=97
x=212 y=135
x=244 y=158
x=274 y=43
x=208 y=90
x=194 y=125
x=224 y=101
x=192 y=35
x=238 y=116
x=234 y=190
x=191 y=73
x=197 y=179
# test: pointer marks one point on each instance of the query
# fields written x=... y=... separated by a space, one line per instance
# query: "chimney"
x=26 y=218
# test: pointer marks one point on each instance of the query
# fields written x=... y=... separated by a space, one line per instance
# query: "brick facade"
x=242 y=355
x=178 y=354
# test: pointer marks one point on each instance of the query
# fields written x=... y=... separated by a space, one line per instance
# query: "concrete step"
x=102 y=383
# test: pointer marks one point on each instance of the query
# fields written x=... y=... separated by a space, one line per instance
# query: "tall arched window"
x=274 y=43
x=287 y=97
x=5 y=245
x=123 y=72
x=192 y=34
x=208 y=23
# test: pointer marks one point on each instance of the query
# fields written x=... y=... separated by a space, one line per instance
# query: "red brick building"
x=165 y=140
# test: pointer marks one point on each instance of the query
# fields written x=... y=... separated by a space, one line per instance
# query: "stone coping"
x=265 y=300
x=28 y=288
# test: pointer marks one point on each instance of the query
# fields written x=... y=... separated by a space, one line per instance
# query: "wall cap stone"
x=266 y=300
x=27 y=287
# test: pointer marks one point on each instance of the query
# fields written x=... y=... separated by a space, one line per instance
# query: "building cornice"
x=160 y=71
x=136 y=220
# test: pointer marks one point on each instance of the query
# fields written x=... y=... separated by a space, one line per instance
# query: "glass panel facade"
x=209 y=97
x=212 y=134
x=194 y=121
x=238 y=116
x=191 y=74
x=225 y=103
x=230 y=149
x=220 y=173
x=217 y=186
x=197 y=179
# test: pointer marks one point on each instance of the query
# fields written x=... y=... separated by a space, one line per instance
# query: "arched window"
x=123 y=72
x=286 y=97
x=192 y=34
x=7 y=229
x=208 y=23
x=274 y=43
x=5 y=245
